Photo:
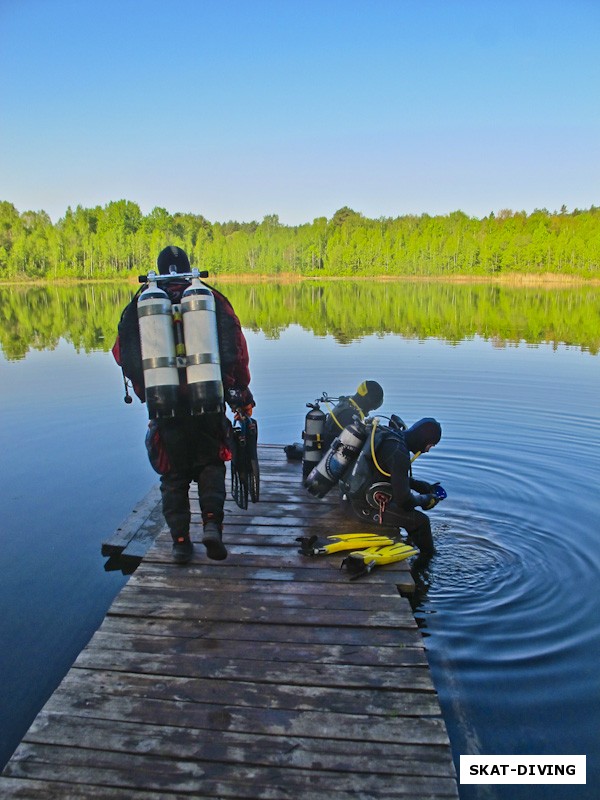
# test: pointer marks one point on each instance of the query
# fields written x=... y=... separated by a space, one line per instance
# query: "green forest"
x=117 y=240
x=38 y=316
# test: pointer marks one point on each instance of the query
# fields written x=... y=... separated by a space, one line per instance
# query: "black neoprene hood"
x=173 y=257
x=426 y=431
x=369 y=395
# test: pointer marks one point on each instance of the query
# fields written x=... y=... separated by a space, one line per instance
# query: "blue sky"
x=237 y=109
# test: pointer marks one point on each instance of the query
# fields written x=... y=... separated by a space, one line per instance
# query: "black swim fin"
x=245 y=471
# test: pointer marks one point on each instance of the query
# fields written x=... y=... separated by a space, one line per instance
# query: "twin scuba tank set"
x=176 y=336
x=183 y=336
x=321 y=472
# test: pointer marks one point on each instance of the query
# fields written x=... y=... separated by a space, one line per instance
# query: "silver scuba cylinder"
x=203 y=370
x=336 y=461
x=161 y=379
x=312 y=436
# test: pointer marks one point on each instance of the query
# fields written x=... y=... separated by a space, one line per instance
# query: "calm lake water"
x=509 y=606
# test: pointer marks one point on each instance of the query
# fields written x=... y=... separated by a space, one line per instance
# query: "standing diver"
x=188 y=435
x=381 y=488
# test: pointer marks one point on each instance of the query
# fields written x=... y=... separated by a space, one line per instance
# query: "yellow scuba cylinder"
x=203 y=370
x=336 y=461
x=161 y=379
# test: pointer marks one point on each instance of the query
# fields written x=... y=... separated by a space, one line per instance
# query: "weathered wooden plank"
x=251 y=594
x=247 y=578
x=204 y=599
x=243 y=593
x=295 y=507
x=252 y=632
x=131 y=524
x=276 y=494
x=297 y=752
x=26 y=789
x=217 y=717
x=306 y=673
x=138 y=545
x=242 y=528
x=290 y=566
x=179 y=608
x=398 y=572
x=325 y=519
x=283 y=478
x=216 y=779
x=81 y=685
x=296 y=504
x=190 y=775
x=365 y=654
x=271 y=541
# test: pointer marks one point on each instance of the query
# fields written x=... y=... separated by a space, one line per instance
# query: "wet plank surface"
x=268 y=675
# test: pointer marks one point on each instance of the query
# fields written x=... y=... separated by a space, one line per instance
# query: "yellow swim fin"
x=314 y=546
x=363 y=562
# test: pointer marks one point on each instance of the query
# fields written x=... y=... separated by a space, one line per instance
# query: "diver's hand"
x=244 y=411
x=438 y=490
x=429 y=501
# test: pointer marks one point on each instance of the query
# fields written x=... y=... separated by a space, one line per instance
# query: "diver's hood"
x=426 y=431
x=173 y=259
x=369 y=396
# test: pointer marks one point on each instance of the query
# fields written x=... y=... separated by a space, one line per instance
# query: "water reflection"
x=37 y=317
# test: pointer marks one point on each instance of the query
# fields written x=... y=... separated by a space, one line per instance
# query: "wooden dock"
x=269 y=675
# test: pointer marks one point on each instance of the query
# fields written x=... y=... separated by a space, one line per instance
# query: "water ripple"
x=501 y=605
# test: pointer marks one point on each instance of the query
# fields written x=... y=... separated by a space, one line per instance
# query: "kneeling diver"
x=395 y=503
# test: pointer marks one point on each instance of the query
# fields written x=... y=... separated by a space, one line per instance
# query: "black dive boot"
x=212 y=539
x=183 y=549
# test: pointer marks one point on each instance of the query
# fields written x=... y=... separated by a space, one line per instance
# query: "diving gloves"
x=363 y=561
x=313 y=546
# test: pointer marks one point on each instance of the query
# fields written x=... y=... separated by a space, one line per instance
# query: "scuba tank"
x=336 y=461
x=367 y=485
x=203 y=365
x=312 y=436
x=357 y=480
x=366 y=479
x=161 y=379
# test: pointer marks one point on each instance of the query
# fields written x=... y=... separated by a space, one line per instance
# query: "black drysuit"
x=393 y=456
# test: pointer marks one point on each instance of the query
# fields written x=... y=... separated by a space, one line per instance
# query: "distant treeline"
x=117 y=239
x=34 y=316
